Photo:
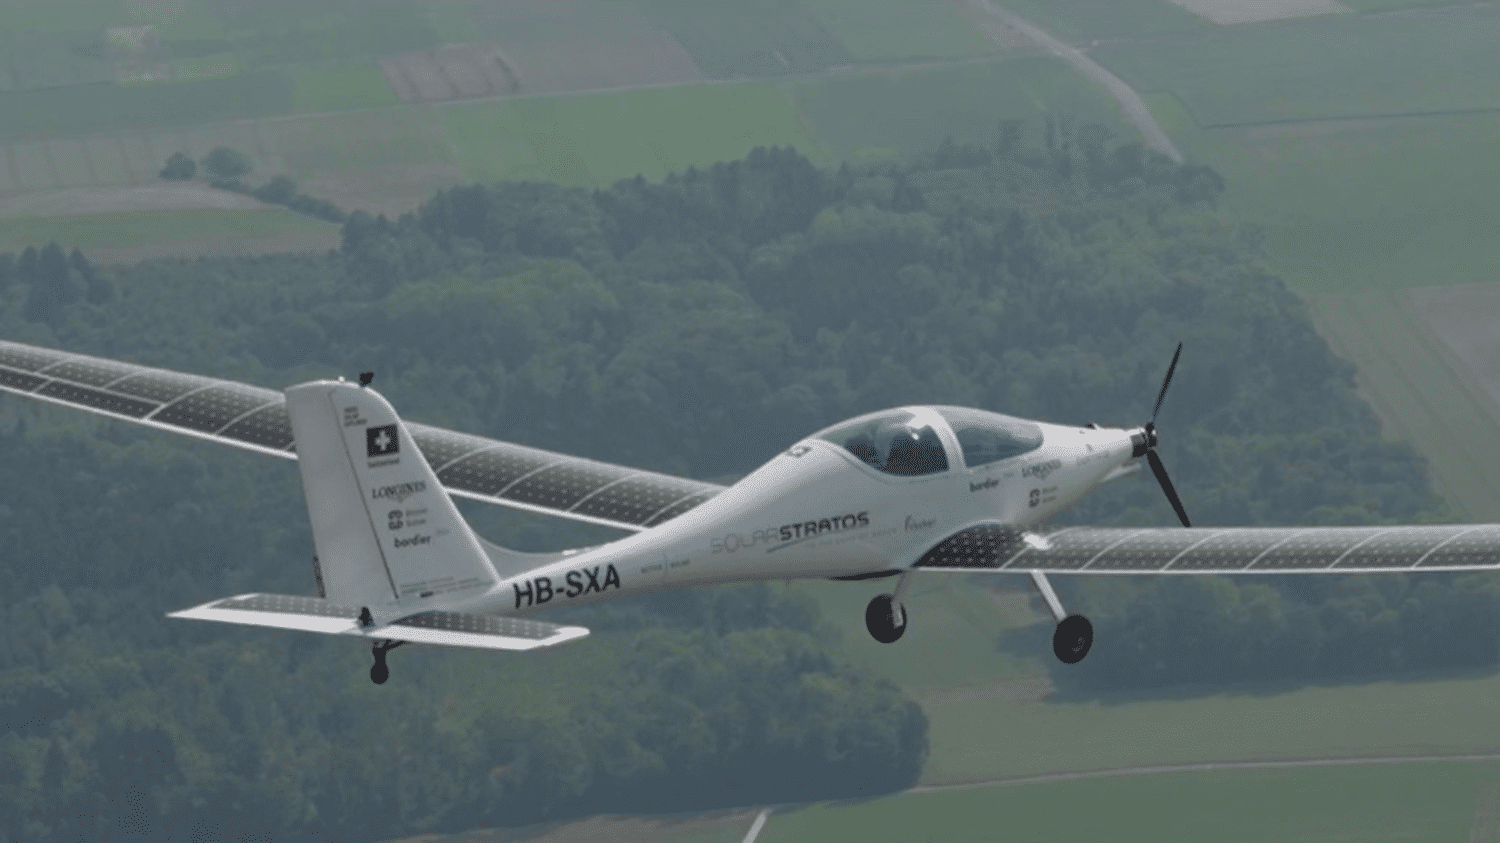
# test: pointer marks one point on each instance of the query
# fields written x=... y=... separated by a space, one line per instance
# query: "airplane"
x=891 y=494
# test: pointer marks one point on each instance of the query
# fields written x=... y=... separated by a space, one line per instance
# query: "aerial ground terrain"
x=1361 y=138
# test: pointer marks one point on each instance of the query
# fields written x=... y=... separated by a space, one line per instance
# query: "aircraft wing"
x=255 y=419
x=1227 y=550
x=447 y=629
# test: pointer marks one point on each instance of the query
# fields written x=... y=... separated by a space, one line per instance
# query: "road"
x=1135 y=107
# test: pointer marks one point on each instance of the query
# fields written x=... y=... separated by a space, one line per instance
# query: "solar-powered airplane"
x=889 y=494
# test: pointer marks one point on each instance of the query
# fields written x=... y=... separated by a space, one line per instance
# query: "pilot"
x=918 y=452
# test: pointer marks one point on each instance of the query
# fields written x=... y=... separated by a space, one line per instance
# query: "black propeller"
x=1148 y=447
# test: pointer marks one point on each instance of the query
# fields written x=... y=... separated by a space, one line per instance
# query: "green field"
x=1334 y=67
x=907 y=112
x=886 y=30
x=117 y=230
x=1399 y=802
x=89 y=109
x=342 y=88
x=1359 y=205
x=749 y=38
x=597 y=139
x=1081 y=21
x=1420 y=393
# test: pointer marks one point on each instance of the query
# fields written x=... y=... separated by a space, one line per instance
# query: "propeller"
x=1148 y=445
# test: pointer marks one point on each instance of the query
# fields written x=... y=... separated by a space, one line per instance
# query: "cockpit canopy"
x=908 y=442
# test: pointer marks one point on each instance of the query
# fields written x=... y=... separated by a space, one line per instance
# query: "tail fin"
x=388 y=537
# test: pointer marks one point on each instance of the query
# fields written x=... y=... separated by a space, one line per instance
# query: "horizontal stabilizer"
x=447 y=629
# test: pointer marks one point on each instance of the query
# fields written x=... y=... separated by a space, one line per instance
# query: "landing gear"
x=885 y=618
x=379 y=672
x=1074 y=634
x=1072 y=639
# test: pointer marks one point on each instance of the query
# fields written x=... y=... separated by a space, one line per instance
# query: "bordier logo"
x=382 y=441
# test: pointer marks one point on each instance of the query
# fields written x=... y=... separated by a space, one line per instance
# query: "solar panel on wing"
x=27 y=358
x=269 y=426
x=89 y=372
x=97 y=399
x=212 y=408
x=635 y=499
x=563 y=485
x=493 y=469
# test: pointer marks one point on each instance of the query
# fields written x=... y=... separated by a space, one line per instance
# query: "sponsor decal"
x=413 y=540
x=736 y=541
x=1040 y=496
x=1041 y=469
x=793 y=533
x=540 y=590
x=986 y=484
x=393 y=519
x=398 y=492
x=382 y=441
x=352 y=418
x=916 y=524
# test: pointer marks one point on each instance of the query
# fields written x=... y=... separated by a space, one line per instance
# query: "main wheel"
x=880 y=619
x=379 y=673
x=1072 y=639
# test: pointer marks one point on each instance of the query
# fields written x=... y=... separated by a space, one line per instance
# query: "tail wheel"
x=885 y=619
x=1072 y=639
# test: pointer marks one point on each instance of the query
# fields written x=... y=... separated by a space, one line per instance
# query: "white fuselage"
x=817 y=511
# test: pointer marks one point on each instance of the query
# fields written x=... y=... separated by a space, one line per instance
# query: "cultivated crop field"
x=1399 y=802
x=1337 y=67
x=110 y=231
x=906 y=112
x=1421 y=389
x=1082 y=21
x=597 y=139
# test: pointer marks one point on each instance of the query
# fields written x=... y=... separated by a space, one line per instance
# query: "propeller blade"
x=1166 y=382
x=1166 y=485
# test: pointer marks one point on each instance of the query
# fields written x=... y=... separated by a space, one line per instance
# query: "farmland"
x=1321 y=69
x=1407 y=802
x=597 y=139
x=883 y=114
x=116 y=231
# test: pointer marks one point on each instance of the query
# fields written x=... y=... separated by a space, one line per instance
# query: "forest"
x=695 y=325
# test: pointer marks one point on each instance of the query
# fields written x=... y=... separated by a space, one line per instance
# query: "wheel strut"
x=1074 y=635
x=379 y=672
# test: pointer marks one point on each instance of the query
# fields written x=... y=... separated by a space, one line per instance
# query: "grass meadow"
x=1362 y=205
x=1422 y=393
x=1397 y=802
x=881 y=115
x=120 y=230
x=1335 y=67
x=1081 y=21
x=342 y=88
x=597 y=139
x=890 y=30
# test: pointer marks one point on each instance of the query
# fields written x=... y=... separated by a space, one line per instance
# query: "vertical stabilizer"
x=388 y=537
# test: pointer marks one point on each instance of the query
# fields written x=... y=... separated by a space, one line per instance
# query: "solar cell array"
x=1095 y=550
x=256 y=419
x=287 y=604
